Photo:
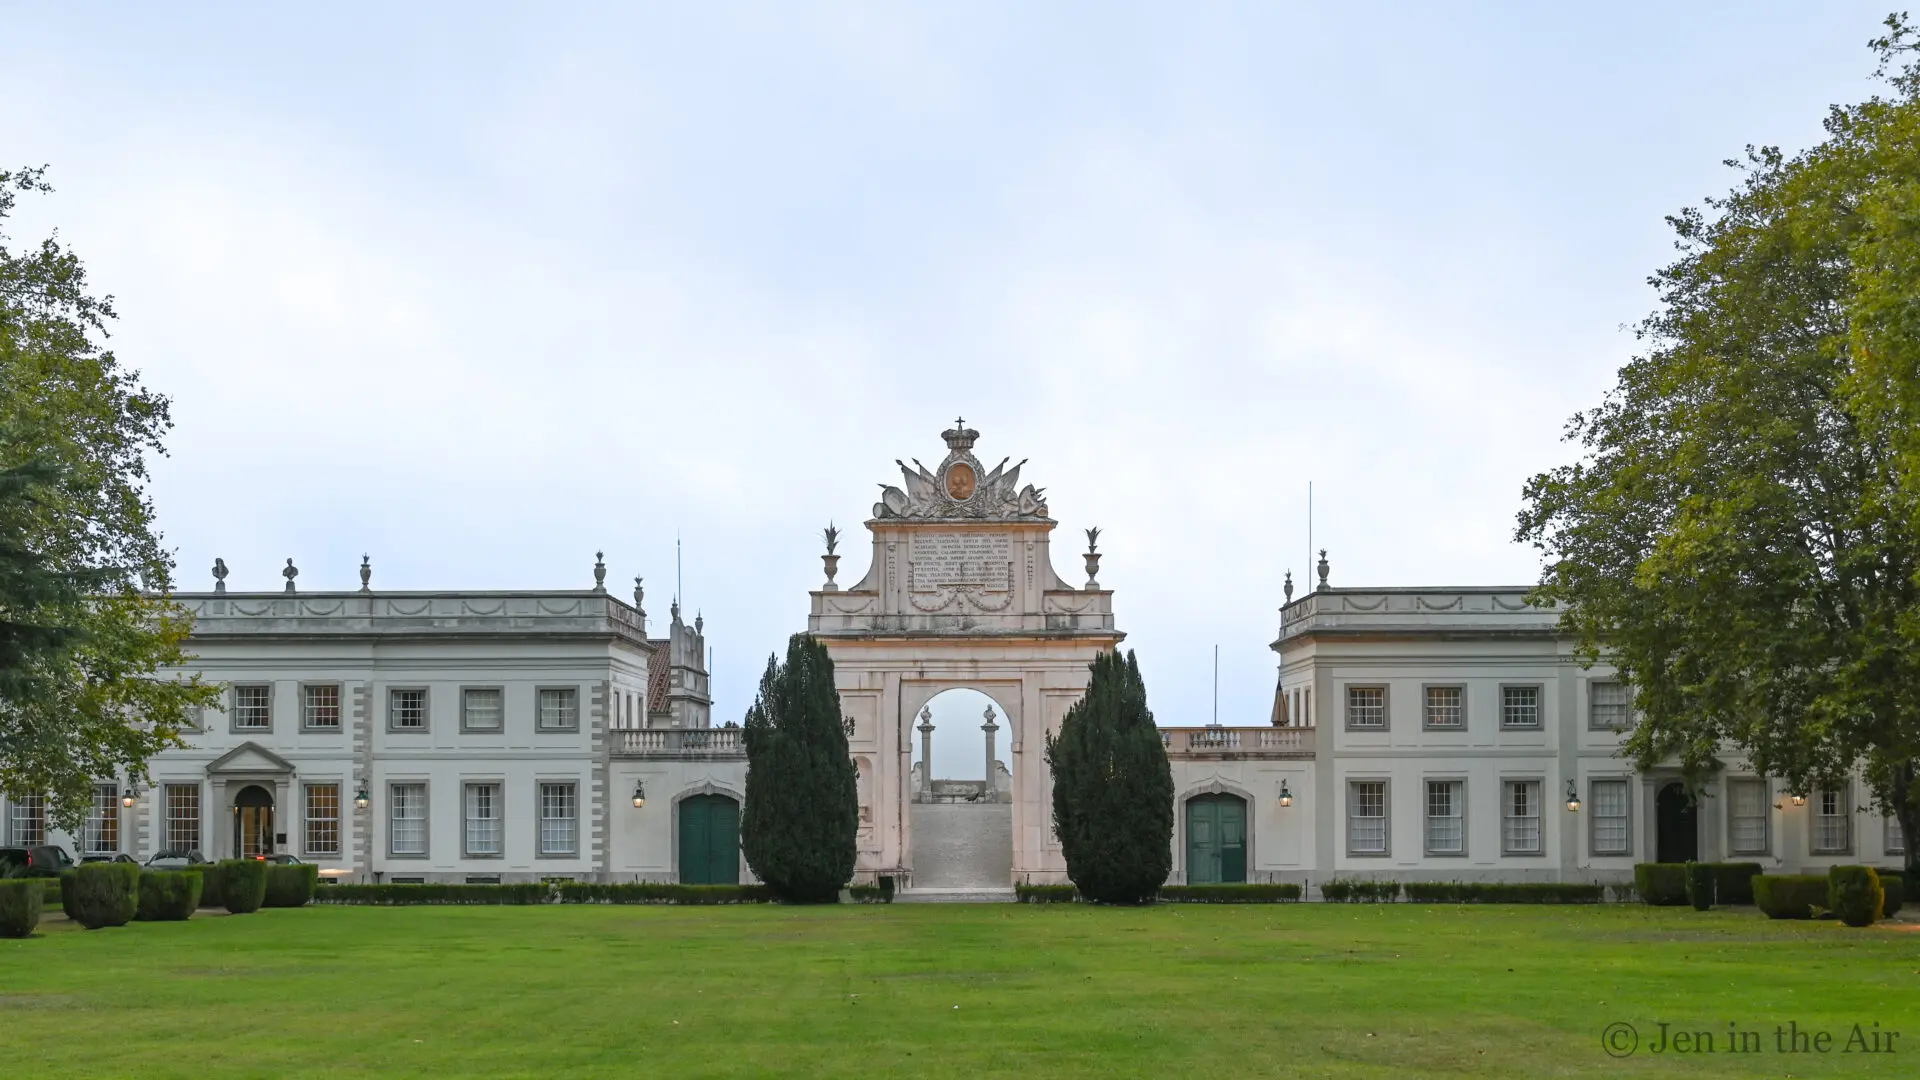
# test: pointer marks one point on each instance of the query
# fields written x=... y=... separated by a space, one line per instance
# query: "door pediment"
x=249 y=758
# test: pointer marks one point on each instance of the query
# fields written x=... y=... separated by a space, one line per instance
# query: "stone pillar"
x=989 y=727
x=926 y=750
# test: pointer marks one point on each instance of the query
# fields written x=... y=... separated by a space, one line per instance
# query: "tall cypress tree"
x=803 y=810
x=1113 y=788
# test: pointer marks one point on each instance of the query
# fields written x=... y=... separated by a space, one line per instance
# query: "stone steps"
x=954 y=896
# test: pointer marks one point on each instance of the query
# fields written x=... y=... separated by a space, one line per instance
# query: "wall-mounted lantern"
x=360 y=799
x=1573 y=799
x=639 y=795
x=131 y=796
x=1286 y=796
x=1799 y=799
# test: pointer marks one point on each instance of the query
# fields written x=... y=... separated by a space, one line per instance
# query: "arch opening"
x=960 y=793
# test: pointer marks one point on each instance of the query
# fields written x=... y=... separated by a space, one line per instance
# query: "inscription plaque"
x=951 y=560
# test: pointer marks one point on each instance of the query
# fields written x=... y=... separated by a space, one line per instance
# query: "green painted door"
x=1216 y=840
x=709 y=840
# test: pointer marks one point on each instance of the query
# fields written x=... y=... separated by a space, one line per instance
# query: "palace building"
x=1416 y=733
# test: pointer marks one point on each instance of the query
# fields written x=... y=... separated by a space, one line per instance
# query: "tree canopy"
x=802 y=816
x=89 y=631
x=1741 y=534
x=1113 y=788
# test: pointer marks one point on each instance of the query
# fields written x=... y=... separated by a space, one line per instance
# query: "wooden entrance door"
x=1216 y=840
x=709 y=840
x=252 y=822
x=1676 y=825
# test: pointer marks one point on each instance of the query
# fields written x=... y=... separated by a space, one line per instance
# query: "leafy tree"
x=1113 y=788
x=1741 y=536
x=83 y=589
x=798 y=828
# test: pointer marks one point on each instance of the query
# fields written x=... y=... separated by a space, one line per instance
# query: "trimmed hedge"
x=1790 y=896
x=168 y=895
x=1661 y=884
x=1045 y=894
x=1733 y=881
x=1894 y=885
x=210 y=894
x=98 y=895
x=652 y=892
x=243 y=885
x=290 y=885
x=403 y=895
x=1700 y=882
x=1278 y=892
x=1503 y=892
x=21 y=902
x=1359 y=892
x=1854 y=894
x=871 y=894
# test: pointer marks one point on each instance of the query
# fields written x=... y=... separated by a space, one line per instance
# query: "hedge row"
x=566 y=892
x=646 y=892
x=1271 y=893
x=1045 y=894
x=168 y=895
x=1500 y=892
x=97 y=895
x=1347 y=891
x=21 y=901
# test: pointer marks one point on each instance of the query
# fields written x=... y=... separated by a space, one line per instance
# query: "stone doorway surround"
x=960 y=593
x=249 y=765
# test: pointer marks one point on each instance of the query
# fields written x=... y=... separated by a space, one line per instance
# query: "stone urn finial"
x=1322 y=587
x=830 y=560
x=366 y=573
x=1286 y=587
x=219 y=575
x=1093 y=557
x=290 y=573
x=640 y=603
x=599 y=571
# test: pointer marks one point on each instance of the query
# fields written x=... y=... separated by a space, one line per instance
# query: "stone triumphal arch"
x=961 y=592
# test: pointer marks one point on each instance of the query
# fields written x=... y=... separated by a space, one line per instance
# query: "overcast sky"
x=481 y=290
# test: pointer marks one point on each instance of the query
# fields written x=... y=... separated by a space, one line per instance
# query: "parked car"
x=40 y=860
x=118 y=856
x=281 y=859
x=174 y=860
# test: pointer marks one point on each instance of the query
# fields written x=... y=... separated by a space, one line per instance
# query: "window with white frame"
x=559 y=819
x=1367 y=707
x=482 y=708
x=1520 y=817
x=102 y=834
x=1519 y=706
x=323 y=819
x=1896 y=838
x=253 y=708
x=1612 y=833
x=559 y=709
x=1446 y=829
x=407 y=819
x=183 y=817
x=407 y=710
x=484 y=835
x=1831 y=835
x=1367 y=817
x=320 y=707
x=1446 y=707
x=1608 y=706
x=27 y=820
x=1747 y=817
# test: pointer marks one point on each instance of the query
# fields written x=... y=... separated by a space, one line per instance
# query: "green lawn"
x=1182 y=992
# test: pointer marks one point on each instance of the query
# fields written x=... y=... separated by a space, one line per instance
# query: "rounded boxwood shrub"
x=96 y=895
x=1854 y=894
x=20 y=905
x=243 y=885
x=291 y=886
x=1700 y=883
x=1894 y=885
x=1661 y=884
x=168 y=895
x=1790 y=896
x=1733 y=882
x=210 y=895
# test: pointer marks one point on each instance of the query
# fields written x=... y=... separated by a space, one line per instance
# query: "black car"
x=174 y=860
x=118 y=856
x=40 y=860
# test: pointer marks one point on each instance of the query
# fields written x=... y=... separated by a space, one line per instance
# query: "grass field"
x=1183 y=992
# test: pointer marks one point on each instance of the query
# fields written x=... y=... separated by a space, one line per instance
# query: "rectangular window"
x=253 y=708
x=1612 y=834
x=1367 y=707
x=407 y=819
x=323 y=819
x=1747 y=817
x=406 y=710
x=183 y=817
x=27 y=820
x=483 y=832
x=1367 y=817
x=559 y=709
x=1830 y=820
x=481 y=709
x=1520 y=818
x=1896 y=837
x=1519 y=706
x=1446 y=707
x=1446 y=831
x=559 y=824
x=320 y=707
x=1607 y=706
x=102 y=834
